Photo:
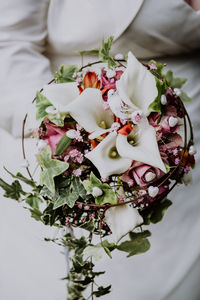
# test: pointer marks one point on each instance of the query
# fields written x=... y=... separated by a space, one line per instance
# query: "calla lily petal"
x=137 y=86
x=106 y=165
x=60 y=95
x=145 y=149
x=87 y=110
x=121 y=220
x=116 y=105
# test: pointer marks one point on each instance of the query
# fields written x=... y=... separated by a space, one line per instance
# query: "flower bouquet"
x=114 y=139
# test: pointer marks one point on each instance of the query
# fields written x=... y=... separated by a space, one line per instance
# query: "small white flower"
x=163 y=100
x=192 y=150
x=71 y=133
x=150 y=176
x=172 y=121
x=153 y=191
x=96 y=191
x=136 y=116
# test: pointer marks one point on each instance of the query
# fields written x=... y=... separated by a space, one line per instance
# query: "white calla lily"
x=88 y=111
x=144 y=147
x=102 y=159
x=122 y=219
x=60 y=95
x=137 y=86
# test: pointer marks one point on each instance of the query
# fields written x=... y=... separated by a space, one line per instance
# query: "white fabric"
x=30 y=268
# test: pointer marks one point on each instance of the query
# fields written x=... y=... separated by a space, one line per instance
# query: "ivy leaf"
x=138 y=243
x=185 y=98
x=13 y=190
x=41 y=104
x=35 y=213
x=155 y=106
x=78 y=187
x=52 y=168
x=66 y=196
x=66 y=73
x=50 y=215
x=108 y=195
x=102 y=291
x=33 y=201
x=63 y=144
x=70 y=194
x=175 y=82
x=155 y=213
x=89 y=52
x=160 y=67
x=104 y=52
x=89 y=225
x=21 y=177
x=57 y=121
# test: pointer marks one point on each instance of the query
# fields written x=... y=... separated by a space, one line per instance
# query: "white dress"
x=35 y=37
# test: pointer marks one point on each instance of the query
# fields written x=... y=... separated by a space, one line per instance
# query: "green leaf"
x=33 y=201
x=175 y=82
x=70 y=194
x=41 y=104
x=185 y=98
x=22 y=178
x=108 y=195
x=155 y=213
x=138 y=243
x=52 y=168
x=89 y=52
x=63 y=144
x=35 y=213
x=66 y=196
x=57 y=121
x=160 y=67
x=89 y=225
x=66 y=73
x=104 y=52
x=78 y=187
x=50 y=215
x=102 y=291
x=155 y=106
x=13 y=191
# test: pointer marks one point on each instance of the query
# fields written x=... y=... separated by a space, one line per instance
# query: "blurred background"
x=36 y=36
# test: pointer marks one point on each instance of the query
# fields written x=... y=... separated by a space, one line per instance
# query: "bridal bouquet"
x=114 y=139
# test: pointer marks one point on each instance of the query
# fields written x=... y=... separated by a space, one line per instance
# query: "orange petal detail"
x=91 y=80
x=126 y=130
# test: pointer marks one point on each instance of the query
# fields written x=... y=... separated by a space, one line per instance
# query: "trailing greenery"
x=104 y=52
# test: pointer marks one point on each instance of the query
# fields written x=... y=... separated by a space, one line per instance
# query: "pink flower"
x=141 y=174
x=53 y=141
x=77 y=172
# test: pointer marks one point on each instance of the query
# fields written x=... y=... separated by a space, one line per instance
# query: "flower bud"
x=71 y=133
x=96 y=191
x=153 y=191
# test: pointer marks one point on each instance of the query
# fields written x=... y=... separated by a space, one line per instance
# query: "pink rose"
x=52 y=135
x=141 y=174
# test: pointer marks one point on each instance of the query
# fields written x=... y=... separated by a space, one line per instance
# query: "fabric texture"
x=35 y=37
